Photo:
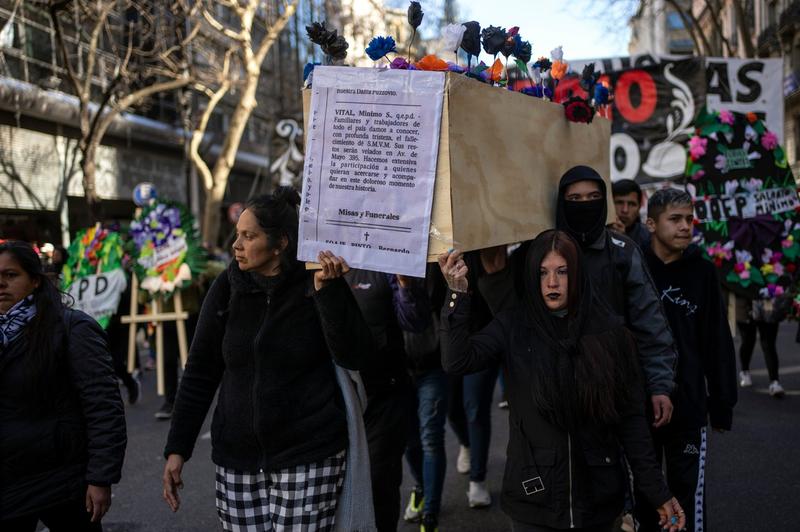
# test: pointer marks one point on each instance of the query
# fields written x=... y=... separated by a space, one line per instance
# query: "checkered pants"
x=298 y=499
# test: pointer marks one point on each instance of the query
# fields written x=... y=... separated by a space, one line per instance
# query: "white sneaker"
x=462 y=463
x=775 y=389
x=478 y=495
x=745 y=381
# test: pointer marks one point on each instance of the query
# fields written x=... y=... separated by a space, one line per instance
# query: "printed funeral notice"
x=373 y=138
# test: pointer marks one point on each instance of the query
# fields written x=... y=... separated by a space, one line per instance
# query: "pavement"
x=753 y=475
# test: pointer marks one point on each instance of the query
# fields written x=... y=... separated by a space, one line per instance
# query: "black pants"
x=769 y=335
x=685 y=455
x=386 y=424
x=66 y=517
x=118 y=347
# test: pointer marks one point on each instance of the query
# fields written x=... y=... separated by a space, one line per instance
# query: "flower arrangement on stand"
x=747 y=207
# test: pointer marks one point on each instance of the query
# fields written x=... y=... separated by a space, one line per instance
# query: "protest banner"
x=746 y=204
x=500 y=157
x=656 y=99
x=93 y=275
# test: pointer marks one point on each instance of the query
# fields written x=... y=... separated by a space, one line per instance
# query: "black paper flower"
x=543 y=64
x=588 y=78
x=510 y=45
x=471 y=43
x=318 y=33
x=578 y=110
x=415 y=14
x=337 y=48
x=494 y=38
x=523 y=50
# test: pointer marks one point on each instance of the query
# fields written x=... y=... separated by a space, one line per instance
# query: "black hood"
x=588 y=235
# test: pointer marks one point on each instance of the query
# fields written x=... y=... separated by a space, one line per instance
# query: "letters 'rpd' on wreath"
x=165 y=248
x=747 y=210
x=93 y=274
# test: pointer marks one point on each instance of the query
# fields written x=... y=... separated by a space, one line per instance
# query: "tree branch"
x=217 y=25
x=91 y=56
x=714 y=12
x=274 y=31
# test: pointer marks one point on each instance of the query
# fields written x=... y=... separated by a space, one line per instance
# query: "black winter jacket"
x=553 y=478
x=618 y=273
x=268 y=350
x=50 y=452
x=706 y=375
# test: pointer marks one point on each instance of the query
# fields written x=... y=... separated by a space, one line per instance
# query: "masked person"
x=618 y=272
x=574 y=393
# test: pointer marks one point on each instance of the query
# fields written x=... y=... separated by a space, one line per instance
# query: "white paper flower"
x=536 y=74
x=557 y=53
x=452 y=36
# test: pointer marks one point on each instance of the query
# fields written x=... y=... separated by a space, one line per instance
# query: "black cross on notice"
x=366 y=237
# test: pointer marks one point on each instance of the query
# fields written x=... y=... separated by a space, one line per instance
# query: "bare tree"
x=117 y=54
x=701 y=18
x=237 y=36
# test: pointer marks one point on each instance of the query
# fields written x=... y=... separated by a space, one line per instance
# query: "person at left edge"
x=268 y=336
x=62 y=422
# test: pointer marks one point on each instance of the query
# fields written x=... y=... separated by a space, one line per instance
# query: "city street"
x=753 y=473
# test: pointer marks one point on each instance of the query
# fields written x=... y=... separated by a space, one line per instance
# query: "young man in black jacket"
x=706 y=374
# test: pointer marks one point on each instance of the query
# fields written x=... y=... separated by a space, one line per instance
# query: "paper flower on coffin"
x=589 y=78
x=415 y=14
x=471 y=40
x=494 y=38
x=452 y=36
x=543 y=64
x=558 y=70
x=333 y=45
x=431 y=62
x=578 y=110
x=557 y=53
x=601 y=94
x=523 y=50
x=399 y=63
x=380 y=47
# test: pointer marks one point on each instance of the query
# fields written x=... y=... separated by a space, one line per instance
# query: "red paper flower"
x=578 y=110
x=752 y=117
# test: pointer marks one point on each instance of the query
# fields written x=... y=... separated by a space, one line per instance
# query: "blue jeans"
x=425 y=452
x=478 y=391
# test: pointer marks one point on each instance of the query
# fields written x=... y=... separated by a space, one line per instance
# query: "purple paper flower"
x=399 y=63
x=452 y=67
x=719 y=162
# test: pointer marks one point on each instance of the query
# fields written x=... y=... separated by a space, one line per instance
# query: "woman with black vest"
x=62 y=423
x=267 y=338
x=574 y=392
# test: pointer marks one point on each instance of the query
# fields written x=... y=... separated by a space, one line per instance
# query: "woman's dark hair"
x=277 y=216
x=41 y=359
x=579 y=376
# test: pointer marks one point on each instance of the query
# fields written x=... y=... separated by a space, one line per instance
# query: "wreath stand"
x=158 y=317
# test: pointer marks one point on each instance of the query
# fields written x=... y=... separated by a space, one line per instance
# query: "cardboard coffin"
x=501 y=155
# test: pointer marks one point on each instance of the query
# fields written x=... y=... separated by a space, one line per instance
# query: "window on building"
x=797 y=138
x=674 y=21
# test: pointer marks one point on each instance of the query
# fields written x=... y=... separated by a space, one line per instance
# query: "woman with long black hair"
x=62 y=423
x=574 y=394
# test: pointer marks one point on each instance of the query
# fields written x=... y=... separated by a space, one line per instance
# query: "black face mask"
x=585 y=219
